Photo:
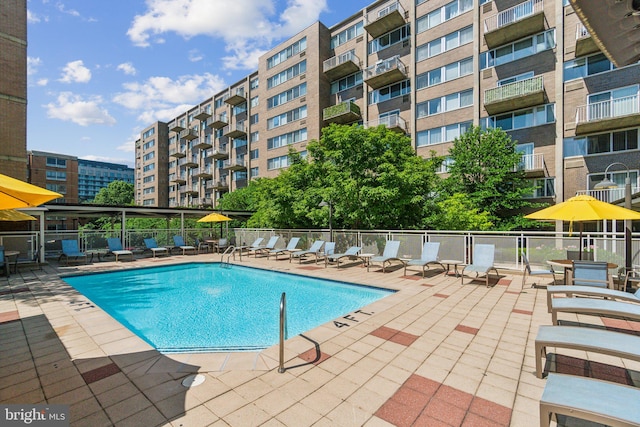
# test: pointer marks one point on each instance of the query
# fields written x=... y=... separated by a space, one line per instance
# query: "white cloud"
x=247 y=26
x=117 y=160
x=62 y=8
x=32 y=18
x=42 y=82
x=32 y=65
x=195 y=55
x=75 y=72
x=127 y=68
x=157 y=98
x=73 y=108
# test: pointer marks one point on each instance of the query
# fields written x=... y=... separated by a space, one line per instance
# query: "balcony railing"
x=345 y=112
x=385 y=19
x=341 y=65
x=513 y=14
x=531 y=162
x=610 y=109
x=514 y=90
x=608 y=195
x=385 y=72
x=393 y=122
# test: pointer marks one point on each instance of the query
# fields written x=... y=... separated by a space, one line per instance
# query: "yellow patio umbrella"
x=13 y=215
x=215 y=217
x=19 y=194
x=583 y=208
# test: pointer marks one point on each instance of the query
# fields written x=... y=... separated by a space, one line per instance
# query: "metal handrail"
x=229 y=251
x=283 y=321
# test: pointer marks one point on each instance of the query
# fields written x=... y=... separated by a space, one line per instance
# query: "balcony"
x=236 y=97
x=341 y=65
x=179 y=179
x=384 y=73
x=176 y=153
x=217 y=122
x=608 y=115
x=345 y=112
x=515 y=96
x=204 y=172
x=219 y=153
x=585 y=44
x=392 y=122
x=202 y=144
x=192 y=189
x=383 y=20
x=609 y=195
x=236 y=131
x=234 y=165
x=533 y=165
x=512 y=24
x=220 y=184
x=192 y=162
x=176 y=128
x=202 y=116
x=188 y=134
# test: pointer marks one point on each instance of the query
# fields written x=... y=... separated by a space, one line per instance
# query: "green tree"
x=117 y=193
x=486 y=168
x=458 y=213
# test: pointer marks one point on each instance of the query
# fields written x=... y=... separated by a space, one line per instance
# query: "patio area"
x=435 y=353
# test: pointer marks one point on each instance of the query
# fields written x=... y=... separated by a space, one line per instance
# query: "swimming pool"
x=200 y=307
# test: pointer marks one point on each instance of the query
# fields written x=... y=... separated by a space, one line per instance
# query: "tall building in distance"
x=94 y=176
x=427 y=69
x=13 y=88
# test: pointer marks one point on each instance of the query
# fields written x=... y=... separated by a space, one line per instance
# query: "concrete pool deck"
x=435 y=353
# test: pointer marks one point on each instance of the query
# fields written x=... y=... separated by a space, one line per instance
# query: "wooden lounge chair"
x=594 y=400
x=594 y=307
x=313 y=250
x=116 y=249
x=483 y=256
x=586 y=339
x=429 y=256
x=389 y=255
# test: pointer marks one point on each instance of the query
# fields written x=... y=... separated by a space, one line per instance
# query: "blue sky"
x=99 y=71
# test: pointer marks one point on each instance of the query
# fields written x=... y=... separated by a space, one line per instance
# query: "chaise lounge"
x=116 y=249
x=351 y=253
x=152 y=245
x=70 y=249
x=594 y=307
x=389 y=255
x=429 y=256
x=291 y=248
x=313 y=250
x=483 y=256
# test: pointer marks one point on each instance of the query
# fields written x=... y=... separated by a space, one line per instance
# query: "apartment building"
x=94 y=176
x=13 y=88
x=429 y=69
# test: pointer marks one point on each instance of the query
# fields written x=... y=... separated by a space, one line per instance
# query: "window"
x=444 y=74
x=390 y=92
x=149 y=190
x=149 y=133
x=254 y=172
x=389 y=39
x=587 y=66
x=619 y=102
x=56 y=176
x=253 y=154
x=618 y=177
x=348 y=34
x=346 y=82
x=446 y=103
x=442 y=14
x=254 y=101
x=444 y=44
x=56 y=162
x=601 y=143
x=537 y=116
x=442 y=134
x=278 y=162
x=253 y=119
x=287 y=53
x=520 y=49
x=149 y=144
x=514 y=79
x=218 y=103
x=287 y=74
x=254 y=137
x=58 y=188
x=149 y=167
x=148 y=179
x=253 y=84
x=148 y=156
x=544 y=187
x=287 y=139
x=239 y=109
x=287 y=96
x=288 y=117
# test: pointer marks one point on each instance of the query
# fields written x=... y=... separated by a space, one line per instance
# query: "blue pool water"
x=213 y=307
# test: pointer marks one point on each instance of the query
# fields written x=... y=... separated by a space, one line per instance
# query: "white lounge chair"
x=590 y=291
x=594 y=340
x=389 y=255
x=291 y=247
x=429 y=256
x=483 y=256
x=271 y=244
x=313 y=250
x=589 y=399
x=351 y=253
x=179 y=242
x=594 y=307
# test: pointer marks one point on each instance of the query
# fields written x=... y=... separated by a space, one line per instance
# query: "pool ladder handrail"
x=228 y=252
x=283 y=322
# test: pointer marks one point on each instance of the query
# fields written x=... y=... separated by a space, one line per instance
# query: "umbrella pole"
x=580 y=242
